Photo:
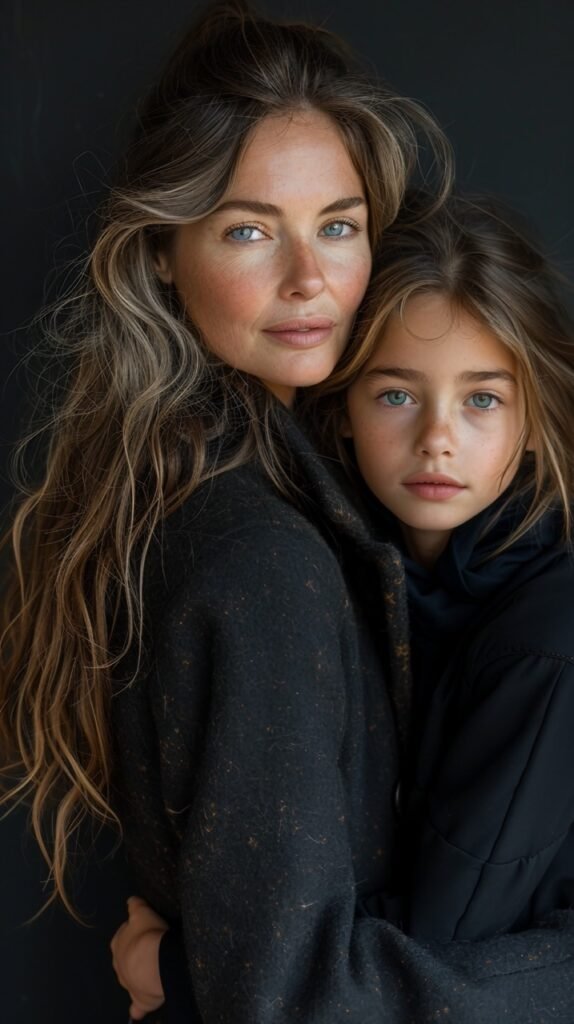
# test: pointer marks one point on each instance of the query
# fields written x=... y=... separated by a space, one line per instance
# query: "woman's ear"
x=162 y=266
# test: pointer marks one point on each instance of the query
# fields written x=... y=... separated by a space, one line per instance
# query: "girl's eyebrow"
x=472 y=376
x=480 y=375
x=270 y=210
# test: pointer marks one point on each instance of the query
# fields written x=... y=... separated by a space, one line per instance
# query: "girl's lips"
x=434 y=492
x=433 y=486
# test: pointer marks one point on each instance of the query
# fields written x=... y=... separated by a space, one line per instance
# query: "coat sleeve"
x=500 y=806
x=180 y=1006
x=272 y=927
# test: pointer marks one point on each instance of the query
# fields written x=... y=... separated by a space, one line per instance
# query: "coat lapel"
x=323 y=484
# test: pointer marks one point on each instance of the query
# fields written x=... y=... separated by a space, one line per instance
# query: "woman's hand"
x=135 y=953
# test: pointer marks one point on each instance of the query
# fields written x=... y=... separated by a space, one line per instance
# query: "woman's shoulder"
x=239 y=503
x=236 y=529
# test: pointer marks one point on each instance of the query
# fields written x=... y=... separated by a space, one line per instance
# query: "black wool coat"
x=258 y=751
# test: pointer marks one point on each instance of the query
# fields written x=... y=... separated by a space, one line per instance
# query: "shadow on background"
x=55 y=971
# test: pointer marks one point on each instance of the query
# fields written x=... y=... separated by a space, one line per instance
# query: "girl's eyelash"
x=487 y=394
x=395 y=391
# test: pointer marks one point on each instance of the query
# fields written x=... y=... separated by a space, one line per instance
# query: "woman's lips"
x=304 y=332
x=433 y=486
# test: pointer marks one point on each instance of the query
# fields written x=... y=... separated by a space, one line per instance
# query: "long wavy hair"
x=474 y=251
x=147 y=410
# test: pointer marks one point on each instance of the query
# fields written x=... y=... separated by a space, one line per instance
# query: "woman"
x=189 y=556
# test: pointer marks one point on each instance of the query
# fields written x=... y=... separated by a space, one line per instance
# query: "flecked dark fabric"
x=180 y=1004
x=493 y=809
x=257 y=758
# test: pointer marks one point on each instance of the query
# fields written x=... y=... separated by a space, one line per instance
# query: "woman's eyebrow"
x=473 y=376
x=270 y=210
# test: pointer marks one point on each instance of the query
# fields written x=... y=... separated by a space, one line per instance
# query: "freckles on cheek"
x=352 y=289
x=206 y=300
x=370 y=447
x=233 y=291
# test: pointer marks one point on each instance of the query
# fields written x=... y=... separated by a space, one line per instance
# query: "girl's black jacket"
x=492 y=812
x=258 y=753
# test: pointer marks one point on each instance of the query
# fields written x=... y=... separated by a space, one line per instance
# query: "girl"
x=191 y=646
x=461 y=413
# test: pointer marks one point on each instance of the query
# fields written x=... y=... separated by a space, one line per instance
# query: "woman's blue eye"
x=395 y=397
x=337 y=229
x=483 y=401
x=244 y=233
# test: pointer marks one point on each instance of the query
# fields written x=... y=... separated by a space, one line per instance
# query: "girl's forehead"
x=437 y=334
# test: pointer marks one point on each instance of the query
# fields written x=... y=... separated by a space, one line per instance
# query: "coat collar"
x=325 y=489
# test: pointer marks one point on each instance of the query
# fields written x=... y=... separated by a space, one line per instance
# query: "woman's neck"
x=284 y=392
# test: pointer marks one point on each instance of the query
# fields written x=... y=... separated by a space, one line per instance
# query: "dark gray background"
x=498 y=74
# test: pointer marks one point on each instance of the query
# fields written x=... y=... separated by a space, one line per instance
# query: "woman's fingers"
x=143 y=915
x=135 y=902
x=136 y=1012
x=135 y=957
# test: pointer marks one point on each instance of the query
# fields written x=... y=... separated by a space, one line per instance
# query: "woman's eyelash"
x=343 y=220
x=245 y=225
x=248 y=225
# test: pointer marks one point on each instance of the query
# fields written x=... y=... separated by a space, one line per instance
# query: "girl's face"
x=436 y=416
x=273 y=277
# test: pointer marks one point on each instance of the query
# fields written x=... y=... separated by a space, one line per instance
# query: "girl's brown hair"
x=147 y=410
x=472 y=251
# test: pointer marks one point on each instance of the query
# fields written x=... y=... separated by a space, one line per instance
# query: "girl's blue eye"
x=484 y=401
x=395 y=398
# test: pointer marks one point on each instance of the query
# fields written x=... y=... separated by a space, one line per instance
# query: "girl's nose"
x=303 y=276
x=436 y=437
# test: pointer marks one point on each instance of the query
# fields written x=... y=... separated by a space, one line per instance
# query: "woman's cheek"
x=352 y=280
x=217 y=298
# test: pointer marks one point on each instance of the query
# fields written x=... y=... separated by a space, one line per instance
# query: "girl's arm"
x=498 y=817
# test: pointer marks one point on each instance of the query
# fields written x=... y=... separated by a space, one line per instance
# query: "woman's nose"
x=303 y=275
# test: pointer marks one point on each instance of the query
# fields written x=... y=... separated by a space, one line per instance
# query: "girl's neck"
x=425 y=546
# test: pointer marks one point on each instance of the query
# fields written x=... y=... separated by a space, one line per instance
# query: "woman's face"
x=273 y=276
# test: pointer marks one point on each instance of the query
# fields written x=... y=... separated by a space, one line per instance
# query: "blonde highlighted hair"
x=472 y=251
x=148 y=412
